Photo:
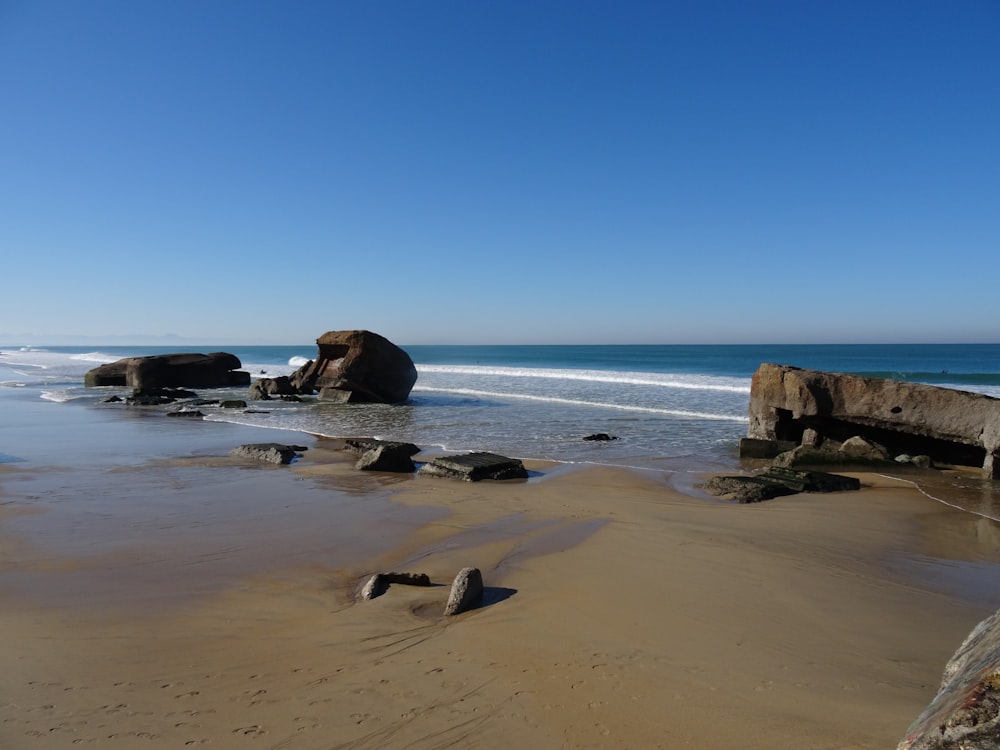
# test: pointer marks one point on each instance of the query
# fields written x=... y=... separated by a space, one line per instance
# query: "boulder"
x=187 y=370
x=600 y=437
x=965 y=713
x=274 y=453
x=466 y=592
x=357 y=367
x=949 y=426
x=472 y=467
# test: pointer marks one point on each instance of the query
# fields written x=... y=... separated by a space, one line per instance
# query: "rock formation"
x=187 y=370
x=965 y=714
x=472 y=467
x=357 y=367
x=811 y=407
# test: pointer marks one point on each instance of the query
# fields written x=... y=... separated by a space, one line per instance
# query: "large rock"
x=965 y=714
x=185 y=370
x=956 y=427
x=472 y=467
x=357 y=367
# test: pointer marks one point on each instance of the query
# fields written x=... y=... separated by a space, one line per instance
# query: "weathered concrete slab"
x=182 y=370
x=472 y=467
x=952 y=427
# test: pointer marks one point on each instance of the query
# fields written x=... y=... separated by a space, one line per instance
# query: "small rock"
x=379 y=583
x=601 y=436
x=466 y=591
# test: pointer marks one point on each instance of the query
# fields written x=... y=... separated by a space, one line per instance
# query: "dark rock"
x=274 y=453
x=191 y=413
x=111 y=400
x=745 y=489
x=600 y=436
x=776 y=482
x=811 y=481
x=291 y=398
x=233 y=404
x=263 y=389
x=466 y=592
x=949 y=426
x=363 y=445
x=965 y=714
x=395 y=457
x=144 y=400
x=357 y=367
x=756 y=448
x=215 y=370
x=472 y=467
x=379 y=583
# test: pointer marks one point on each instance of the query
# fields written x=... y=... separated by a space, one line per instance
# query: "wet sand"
x=199 y=601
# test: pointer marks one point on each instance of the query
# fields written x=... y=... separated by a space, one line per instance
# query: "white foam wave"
x=60 y=397
x=297 y=362
x=664 y=380
x=596 y=404
x=98 y=357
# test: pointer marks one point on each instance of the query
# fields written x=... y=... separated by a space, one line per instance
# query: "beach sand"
x=203 y=602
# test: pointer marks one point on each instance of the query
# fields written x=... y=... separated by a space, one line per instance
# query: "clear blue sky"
x=500 y=172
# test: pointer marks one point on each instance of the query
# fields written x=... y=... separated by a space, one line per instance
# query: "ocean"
x=672 y=408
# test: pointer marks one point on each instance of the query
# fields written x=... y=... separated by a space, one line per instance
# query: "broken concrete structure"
x=357 y=367
x=809 y=407
x=182 y=370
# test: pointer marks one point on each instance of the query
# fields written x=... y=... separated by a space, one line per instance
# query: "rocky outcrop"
x=472 y=467
x=811 y=407
x=186 y=370
x=965 y=714
x=357 y=367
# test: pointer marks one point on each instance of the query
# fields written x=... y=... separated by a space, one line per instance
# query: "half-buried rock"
x=466 y=591
x=378 y=584
x=471 y=467
x=274 y=453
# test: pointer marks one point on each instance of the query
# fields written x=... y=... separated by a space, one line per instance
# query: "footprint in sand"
x=251 y=731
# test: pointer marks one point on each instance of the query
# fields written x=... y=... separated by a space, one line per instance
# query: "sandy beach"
x=222 y=609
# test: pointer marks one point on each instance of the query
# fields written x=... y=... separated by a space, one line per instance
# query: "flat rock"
x=472 y=467
x=274 y=453
x=778 y=481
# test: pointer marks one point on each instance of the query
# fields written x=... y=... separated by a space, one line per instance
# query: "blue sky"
x=500 y=172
